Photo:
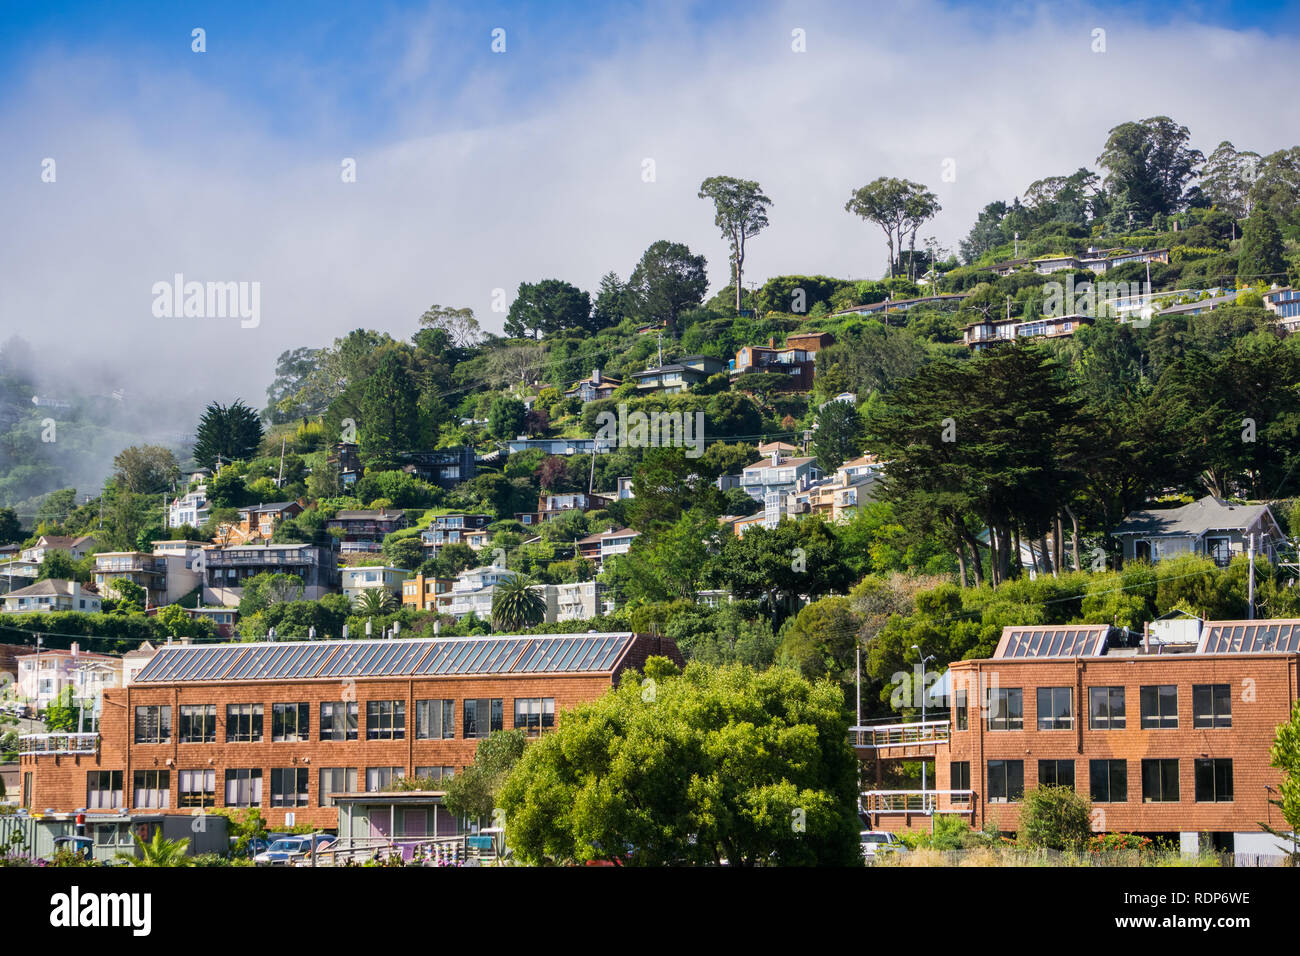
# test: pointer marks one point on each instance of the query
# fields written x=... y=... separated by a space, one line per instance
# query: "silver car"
x=876 y=843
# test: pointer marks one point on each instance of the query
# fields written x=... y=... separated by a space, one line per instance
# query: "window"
x=534 y=714
x=152 y=789
x=959 y=779
x=1006 y=780
x=961 y=712
x=1106 y=708
x=1159 y=704
x=1055 y=708
x=1213 y=780
x=338 y=720
x=1159 y=781
x=244 y=788
x=1211 y=705
x=243 y=723
x=198 y=788
x=435 y=719
x=1007 y=709
x=435 y=773
x=289 y=787
x=290 y=722
x=1056 y=773
x=336 y=780
x=381 y=778
x=104 y=790
x=386 y=720
x=153 y=725
x=1108 y=781
x=482 y=716
x=198 y=723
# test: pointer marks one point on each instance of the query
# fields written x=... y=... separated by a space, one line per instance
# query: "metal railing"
x=58 y=743
x=919 y=733
x=917 y=801
x=415 y=851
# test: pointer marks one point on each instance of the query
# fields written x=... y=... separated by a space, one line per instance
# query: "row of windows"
x=1158 y=708
x=385 y=720
x=151 y=789
x=1107 y=779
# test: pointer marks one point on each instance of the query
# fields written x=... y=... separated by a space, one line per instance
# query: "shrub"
x=1056 y=818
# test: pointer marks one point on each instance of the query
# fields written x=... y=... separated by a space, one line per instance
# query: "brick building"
x=285 y=725
x=1164 y=740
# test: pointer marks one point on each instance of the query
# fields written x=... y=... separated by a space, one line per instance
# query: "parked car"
x=877 y=843
x=292 y=849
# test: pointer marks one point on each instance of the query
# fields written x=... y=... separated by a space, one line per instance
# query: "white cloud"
x=159 y=173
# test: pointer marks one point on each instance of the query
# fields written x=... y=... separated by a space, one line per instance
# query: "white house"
x=52 y=594
x=371 y=577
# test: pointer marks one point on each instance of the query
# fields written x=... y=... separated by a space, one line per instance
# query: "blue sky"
x=477 y=171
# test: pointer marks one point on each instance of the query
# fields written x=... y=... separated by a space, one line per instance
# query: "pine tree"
x=1262 y=255
x=227 y=433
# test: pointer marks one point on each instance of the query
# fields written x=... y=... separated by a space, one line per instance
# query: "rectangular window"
x=482 y=716
x=151 y=789
x=243 y=723
x=336 y=780
x=338 y=720
x=1108 y=781
x=104 y=790
x=961 y=711
x=289 y=787
x=534 y=714
x=153 y=725
x=1055 y=708
x=1056 y=773
x=435 y=719
x=290 y=722
x=198 y=723
x=197 y=788
x=386 y=720
x=1106 y=708
x=1211 y=705
x=1007 y=709
x=1213 y=780
x=244 y=788
x=1006 y=781
x=1159 y=703
x=1159 y=781
x=959 y=779
x=381 y=778
x=435 y=773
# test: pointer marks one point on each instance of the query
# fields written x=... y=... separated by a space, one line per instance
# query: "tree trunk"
x=1074 y=538
x=738 y=262
x=1049 y=560
x=961 y=561
x=1018 y=565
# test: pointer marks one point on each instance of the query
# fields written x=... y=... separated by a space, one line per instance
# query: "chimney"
x=595 y=376
x=76 y=649
x=776 y=457
x=771 y=342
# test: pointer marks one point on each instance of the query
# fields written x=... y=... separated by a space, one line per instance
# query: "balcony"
x=914 y=738
x=919 y=802
x=38 y=744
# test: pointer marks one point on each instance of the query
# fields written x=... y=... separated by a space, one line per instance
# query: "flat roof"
x=393 y=657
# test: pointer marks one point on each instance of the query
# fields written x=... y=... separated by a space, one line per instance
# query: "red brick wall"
x=1263 y=687
x=60 y=782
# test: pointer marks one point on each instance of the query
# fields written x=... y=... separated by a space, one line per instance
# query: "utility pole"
x=1250 y=587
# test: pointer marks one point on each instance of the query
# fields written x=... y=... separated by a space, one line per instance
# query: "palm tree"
x=374 y=602
x=517 y=605
x=158 y=852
